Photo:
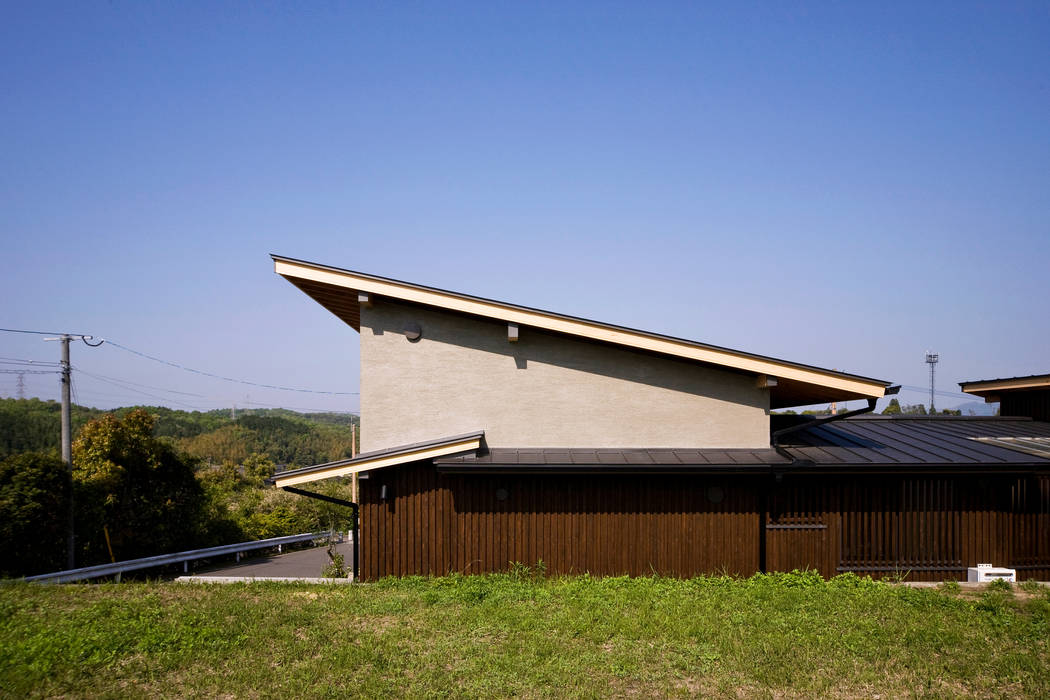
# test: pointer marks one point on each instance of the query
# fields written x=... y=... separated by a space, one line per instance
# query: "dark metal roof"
x=915 y=441
x=856 y=444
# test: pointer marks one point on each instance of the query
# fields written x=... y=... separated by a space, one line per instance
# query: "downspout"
x=817 y=422
x=778 y=472
x=356 y=529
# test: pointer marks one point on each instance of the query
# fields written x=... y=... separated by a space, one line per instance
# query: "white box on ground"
x=983 y=573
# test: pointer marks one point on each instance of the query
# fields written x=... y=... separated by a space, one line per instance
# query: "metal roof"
x=855 y=444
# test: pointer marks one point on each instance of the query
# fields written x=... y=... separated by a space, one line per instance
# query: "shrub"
x=34 y=508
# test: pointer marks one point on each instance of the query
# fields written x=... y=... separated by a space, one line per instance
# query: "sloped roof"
x=796 y=384
x=862 y=443
x=380 y=458
x=990 y=389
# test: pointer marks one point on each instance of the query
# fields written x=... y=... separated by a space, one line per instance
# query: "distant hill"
x=289 y=438
x=978 y=408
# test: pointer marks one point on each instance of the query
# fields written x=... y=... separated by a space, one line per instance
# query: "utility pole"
x=67 y=444
x=67 y=431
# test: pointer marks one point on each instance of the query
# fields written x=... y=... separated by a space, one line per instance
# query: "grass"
x=787 y=635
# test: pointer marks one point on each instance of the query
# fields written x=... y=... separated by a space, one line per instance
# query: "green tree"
x=34 y=507
x=893 y=409
x=258 y=468
x=135 y=485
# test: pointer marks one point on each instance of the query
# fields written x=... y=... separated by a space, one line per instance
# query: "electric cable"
x=229 y=379
x=19 y=330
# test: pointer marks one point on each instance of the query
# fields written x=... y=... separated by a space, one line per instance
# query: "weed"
x=336 y=567
x=898 y=576
x=952 y=587
x=1001 y=585
x=1030 y=586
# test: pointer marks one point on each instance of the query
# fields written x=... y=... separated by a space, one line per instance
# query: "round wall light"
x=413 y=331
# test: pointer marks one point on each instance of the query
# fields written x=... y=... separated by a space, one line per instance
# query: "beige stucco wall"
x=543 y=391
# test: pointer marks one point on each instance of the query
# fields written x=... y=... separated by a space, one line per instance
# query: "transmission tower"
x=931 y=360
x=21 y=385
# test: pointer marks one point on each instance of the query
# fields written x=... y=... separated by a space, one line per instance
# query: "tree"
x=893 y=409
x=134 y=485
x=34 y=503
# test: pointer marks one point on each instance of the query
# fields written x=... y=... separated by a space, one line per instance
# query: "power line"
x=72 y=335
x=128 y=386
x=145 y=386
x=73 y=388
x=85 y=338
x=119 y=385
x=229 y=379
x=950 y=394
x=29 y=371
x=23 y=360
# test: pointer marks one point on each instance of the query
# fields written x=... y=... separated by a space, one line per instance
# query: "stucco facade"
x=545 y=390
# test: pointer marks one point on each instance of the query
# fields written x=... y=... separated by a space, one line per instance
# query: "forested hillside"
x=288 y=438
x=150 y=480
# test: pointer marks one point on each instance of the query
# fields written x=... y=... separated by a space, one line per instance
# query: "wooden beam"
x=765 y=381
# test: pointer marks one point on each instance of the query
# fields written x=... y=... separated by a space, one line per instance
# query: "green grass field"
x=790 y=635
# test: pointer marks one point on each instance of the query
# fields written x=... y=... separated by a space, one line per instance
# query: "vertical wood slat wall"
x=609 y=525
x=929 y=528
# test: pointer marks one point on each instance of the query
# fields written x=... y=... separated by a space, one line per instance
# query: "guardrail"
x=185 y=558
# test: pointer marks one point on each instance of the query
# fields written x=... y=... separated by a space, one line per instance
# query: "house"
x=1016 y=396
x=495 y=433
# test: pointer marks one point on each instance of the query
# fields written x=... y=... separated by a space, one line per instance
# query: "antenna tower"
x=931 y=360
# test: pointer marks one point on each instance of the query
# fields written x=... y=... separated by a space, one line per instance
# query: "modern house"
x=494 y=433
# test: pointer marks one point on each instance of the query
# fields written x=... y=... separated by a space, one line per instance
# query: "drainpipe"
x=339 y=502
x=816 y=422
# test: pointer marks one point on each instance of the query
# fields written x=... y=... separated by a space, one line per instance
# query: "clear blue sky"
x=842 y=186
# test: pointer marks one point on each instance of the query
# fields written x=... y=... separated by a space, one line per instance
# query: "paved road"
x=305 y=563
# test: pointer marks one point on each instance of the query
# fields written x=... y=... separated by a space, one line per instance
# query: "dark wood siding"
x=1034 y=404
x=436 y=524
x=924 y=527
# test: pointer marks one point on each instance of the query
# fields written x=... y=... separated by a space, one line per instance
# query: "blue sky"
x=838 y=185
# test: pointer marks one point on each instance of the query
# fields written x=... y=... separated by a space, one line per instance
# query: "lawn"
x=789 y=635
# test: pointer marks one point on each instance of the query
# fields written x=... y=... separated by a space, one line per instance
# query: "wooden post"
x=353 y=453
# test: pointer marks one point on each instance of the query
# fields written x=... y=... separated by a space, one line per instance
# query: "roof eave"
x=812 y=384
x=401 y=454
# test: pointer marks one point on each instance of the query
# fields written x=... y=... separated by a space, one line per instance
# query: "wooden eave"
x=797 y=384
x=991 y=389
x=402 y=454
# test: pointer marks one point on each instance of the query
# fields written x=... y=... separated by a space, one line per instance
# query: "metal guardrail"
x=120 y=567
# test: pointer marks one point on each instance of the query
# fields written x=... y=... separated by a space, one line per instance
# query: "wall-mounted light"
x=413 y=331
